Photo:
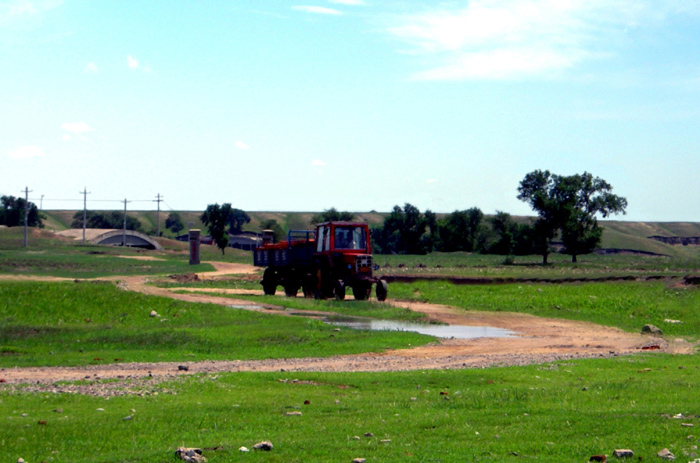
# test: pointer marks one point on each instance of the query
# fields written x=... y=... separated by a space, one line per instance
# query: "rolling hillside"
x=622 y=235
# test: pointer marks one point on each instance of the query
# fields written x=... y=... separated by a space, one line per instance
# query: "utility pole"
x=124 y=236
x=84 y=193
x=159 y=198
x=26 y=212
x=41 y=203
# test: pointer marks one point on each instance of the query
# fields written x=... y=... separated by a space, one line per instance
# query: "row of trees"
x=12 y=212
x=566 y=206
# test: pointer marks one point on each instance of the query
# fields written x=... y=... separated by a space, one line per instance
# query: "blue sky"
x=360 y=105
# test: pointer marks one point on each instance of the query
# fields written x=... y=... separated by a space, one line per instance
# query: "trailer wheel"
x=339 y=290
x=291 y=291
x=308 y=286
x=361 y=291
x=269 y=282
x=382 y=290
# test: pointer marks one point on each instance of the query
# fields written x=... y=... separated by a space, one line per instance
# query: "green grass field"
x=49 y=324
x=563 y=411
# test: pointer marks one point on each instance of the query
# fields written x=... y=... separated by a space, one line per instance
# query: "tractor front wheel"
x=382 y=290
x=339 y=290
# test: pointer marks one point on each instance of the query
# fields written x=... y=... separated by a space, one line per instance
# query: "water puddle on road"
x=440 y=331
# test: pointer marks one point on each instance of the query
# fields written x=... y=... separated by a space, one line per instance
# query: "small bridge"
x=129 y=238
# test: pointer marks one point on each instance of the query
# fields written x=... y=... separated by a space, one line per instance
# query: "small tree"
x=105 y=220
x=215 y=218
x=174 y=223
x=330 y=215
x=271 y=224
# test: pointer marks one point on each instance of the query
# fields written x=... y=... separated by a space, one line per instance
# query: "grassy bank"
x=92 y=323
x=627 y=305
x=563 y=412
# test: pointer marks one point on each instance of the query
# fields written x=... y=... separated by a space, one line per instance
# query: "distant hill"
x=620 y=235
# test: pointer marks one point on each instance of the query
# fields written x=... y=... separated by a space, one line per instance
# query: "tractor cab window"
x=324 y=239
x=350 y=238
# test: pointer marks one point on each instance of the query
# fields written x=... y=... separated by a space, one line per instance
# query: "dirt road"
x=538 y=340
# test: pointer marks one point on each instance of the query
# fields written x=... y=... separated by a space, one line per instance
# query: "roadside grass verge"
x=560 y=266
x=627 y=305
x=48 y=324
x=563 y=412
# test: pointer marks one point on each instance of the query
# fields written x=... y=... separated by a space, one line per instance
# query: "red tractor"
x=323 y=263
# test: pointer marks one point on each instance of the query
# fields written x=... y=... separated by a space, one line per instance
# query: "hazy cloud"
x=318 y=163
x=91 y=68
x=26 y=152
x=131 y=62
x=317 y=10
x=501 y=39
x=241 y=146
x=76 y=127
x=348 y=2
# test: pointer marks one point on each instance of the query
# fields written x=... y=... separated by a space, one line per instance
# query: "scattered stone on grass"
x=153 y=314
x=293 y=413
x=623 y=453
x=651 y=329
x=356 y=437
x=666 y=454
x=128 y=417
x=244 y=449
x=599 y=458
x=21 y=460
x=369 y=434
x=264 y=445
x=190 y=455
x=385 y=441
x=183 y=368
x=359 y=460
x=673 y=322
x=687 y=425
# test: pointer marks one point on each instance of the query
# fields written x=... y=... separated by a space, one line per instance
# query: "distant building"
x=247 y=241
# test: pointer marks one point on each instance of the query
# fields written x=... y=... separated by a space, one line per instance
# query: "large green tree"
x=403 y=232
x=569 y=205
x=236 y=219
x=463 y=231
x=12 y=212
x=216 y=218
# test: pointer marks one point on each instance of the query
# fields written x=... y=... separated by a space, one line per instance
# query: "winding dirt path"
x=538 y=340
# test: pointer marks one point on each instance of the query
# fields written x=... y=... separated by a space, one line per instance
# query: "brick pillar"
x=194 y=247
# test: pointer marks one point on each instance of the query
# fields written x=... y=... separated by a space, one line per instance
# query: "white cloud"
x=131 y=61
x=348 y=2
x=67 y=137
x=317 y=10
x=430 y=181
x=242 y=146
x=503 y=39
x=91 y=68
x=26 y=152
x=318 y=163
x=76 y=127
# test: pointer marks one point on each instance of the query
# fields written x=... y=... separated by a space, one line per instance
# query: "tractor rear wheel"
x=382 y=290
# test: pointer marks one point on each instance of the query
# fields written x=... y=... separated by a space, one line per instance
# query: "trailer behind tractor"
x=322 y=262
